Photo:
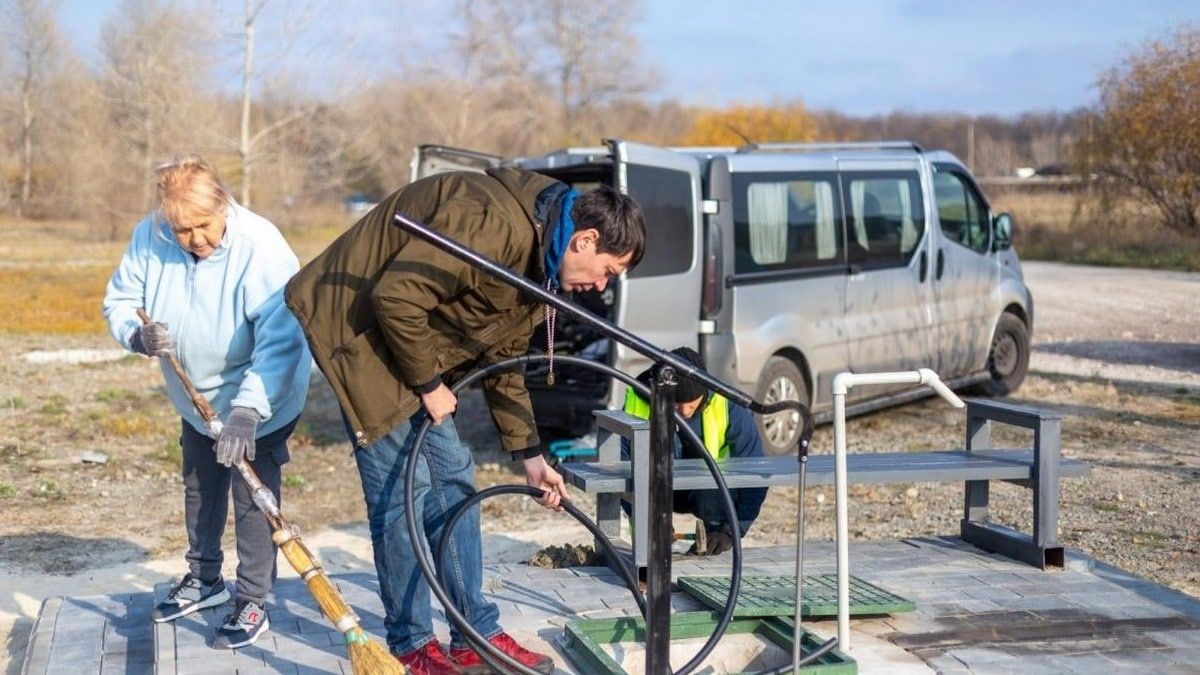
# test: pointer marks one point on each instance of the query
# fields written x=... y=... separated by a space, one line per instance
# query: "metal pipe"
x=843 y=383
x=842 y=519
x=658 y=553
x=797 y=632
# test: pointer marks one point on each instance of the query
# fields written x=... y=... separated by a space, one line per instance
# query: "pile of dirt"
x=568 y=555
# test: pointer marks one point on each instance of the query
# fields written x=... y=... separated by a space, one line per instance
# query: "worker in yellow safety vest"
x=727 y=430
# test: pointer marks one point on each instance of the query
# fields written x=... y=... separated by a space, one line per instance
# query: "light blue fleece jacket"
x=237 y=341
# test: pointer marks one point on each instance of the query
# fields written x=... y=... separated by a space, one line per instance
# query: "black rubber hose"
x=485 y=648
x=605 y=543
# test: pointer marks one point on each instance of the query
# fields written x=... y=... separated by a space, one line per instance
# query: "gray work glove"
x=237 y=438
x=151 y=339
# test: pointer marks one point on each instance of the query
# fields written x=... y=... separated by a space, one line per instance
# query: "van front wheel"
x=1008 y=359
x=780 y=380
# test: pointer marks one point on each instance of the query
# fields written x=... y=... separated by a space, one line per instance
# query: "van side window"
x=784 y=222
x=667 y=201
x=962 y=214
x=887 y=217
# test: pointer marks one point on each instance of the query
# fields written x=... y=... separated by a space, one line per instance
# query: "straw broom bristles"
x=367 y=657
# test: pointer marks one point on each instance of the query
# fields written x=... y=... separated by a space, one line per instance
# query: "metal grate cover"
x=776 y=595
x=586 y=639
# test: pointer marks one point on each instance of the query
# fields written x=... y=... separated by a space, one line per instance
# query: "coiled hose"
x=493 y=656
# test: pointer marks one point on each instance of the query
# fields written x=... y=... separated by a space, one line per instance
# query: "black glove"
x=151 y=339
x=237 y=438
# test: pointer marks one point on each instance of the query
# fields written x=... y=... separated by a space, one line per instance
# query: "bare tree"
x=280 y=91
x=156 y=63
x=32 y=38
x=592 y=58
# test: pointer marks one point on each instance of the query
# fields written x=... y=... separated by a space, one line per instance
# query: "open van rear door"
x=434 y=159
x=659 y=300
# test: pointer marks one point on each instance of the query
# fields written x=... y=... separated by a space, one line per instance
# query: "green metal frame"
x=586 y=637
x=776 y=596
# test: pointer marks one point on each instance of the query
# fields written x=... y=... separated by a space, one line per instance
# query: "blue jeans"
x=445 y=478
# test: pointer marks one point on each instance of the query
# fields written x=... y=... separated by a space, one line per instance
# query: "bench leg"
x=975 y=496
x=1047 y=443
x=1042 y=549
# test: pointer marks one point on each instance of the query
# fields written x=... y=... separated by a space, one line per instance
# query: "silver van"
x=786 y=264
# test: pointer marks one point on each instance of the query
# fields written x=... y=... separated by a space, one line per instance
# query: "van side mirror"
x=1002 y=231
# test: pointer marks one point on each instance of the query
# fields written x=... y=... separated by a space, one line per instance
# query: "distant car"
x=786 y=264
x=357 y=204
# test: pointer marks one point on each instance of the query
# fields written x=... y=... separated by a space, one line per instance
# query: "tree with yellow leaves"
x=740 y=125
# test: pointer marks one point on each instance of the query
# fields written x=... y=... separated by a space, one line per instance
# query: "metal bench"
x=1038 y=468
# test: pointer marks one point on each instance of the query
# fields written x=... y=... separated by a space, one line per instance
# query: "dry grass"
x=42 y=299
x=1071 y=227
x=53 y=273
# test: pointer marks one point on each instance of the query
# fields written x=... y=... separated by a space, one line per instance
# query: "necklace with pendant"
x=551 y=315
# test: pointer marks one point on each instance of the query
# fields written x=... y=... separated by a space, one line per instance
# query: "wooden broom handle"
x=202 y=406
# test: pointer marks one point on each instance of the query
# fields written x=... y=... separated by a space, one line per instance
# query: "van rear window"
x=786 y=221
x=669 y=206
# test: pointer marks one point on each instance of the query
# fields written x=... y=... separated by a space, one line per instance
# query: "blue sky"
x=857 y=56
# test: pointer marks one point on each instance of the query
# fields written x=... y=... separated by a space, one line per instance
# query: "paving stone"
x=113 y=664
x=1034 y=603
x=218 y=664
x=138 y=648
x=75 y=649
x=1182 y=639
x=994 y=593
x=73 y=667
x=962 y=607
x=947 y=664
x=164 y=645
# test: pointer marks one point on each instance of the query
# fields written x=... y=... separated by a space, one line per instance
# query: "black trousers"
x=207 y=486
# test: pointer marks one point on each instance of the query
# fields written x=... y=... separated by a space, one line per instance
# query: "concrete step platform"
x=976 y=613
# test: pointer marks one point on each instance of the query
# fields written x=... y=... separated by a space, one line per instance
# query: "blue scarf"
x=560 y=237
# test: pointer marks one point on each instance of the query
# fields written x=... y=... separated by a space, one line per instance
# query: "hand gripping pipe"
x=842 y=383
x=656 y=354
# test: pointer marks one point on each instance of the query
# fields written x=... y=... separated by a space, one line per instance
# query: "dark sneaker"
x=241 y=628
x=470 y=662
x=190 y=595
x=428 y=660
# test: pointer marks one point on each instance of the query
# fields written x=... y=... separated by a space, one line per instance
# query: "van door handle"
x=923 y=266
x=941 y=265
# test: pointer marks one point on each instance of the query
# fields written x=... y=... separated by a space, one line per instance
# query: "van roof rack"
x=860 y=145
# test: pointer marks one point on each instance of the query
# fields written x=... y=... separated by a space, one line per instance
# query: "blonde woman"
x=211 y=275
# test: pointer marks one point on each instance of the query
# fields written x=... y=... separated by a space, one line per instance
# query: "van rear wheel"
x=1008 y=359
x=780 y=380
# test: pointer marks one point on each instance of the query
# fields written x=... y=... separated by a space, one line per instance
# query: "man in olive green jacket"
x=392 y=321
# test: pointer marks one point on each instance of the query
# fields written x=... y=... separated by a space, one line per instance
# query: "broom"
x=367 y=657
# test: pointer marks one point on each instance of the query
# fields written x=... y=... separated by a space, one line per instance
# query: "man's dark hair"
x=617 y=217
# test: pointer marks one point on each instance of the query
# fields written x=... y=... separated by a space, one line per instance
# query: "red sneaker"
x=428 y=660
x=470 y=662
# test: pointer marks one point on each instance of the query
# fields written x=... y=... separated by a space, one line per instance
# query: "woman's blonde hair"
x=189 y=191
